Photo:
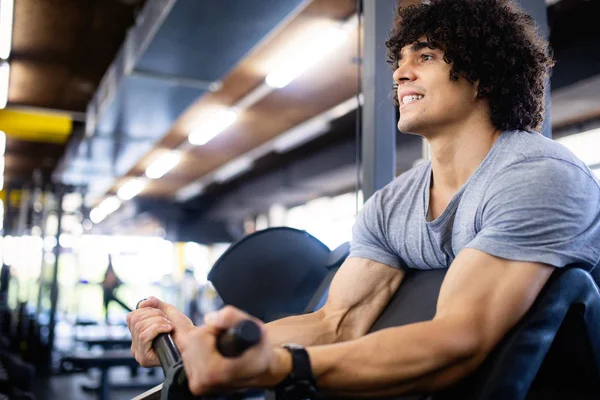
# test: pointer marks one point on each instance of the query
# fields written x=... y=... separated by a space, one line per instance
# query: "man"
x=499 y=205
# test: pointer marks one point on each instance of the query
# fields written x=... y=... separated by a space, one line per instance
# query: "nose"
x=403 y=73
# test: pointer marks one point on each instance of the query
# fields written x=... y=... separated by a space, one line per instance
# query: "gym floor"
x=69 y=387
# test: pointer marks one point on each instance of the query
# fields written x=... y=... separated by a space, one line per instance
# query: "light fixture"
x=96 y=215
x=304 y=52
x=584 y=145
x=107 y=207
x=6 y=27
x=163 y=164
x=189 y=191
x=216 y=122
x=4 y=76
x=232 y=169
x=110 y=205
x=131 y=189
x=301 y=134
x=314 y=127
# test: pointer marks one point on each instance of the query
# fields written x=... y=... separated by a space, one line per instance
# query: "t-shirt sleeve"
x=369 y=237
x=541 y=210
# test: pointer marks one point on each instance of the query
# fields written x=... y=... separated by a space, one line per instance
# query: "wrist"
x=280 y=368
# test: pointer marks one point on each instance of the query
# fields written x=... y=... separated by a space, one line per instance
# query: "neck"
x=457 y=151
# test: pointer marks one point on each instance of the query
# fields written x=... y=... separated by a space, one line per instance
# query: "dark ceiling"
x=60 y=51
x=62 y=48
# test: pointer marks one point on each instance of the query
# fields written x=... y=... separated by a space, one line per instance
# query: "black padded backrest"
x=414 y=301
x=271 y=273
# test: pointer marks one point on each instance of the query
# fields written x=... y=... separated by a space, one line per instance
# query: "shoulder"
x=535 y=148
x=529 y=157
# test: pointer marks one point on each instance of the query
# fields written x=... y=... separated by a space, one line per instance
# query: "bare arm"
x=359 y=292
x=481 y=299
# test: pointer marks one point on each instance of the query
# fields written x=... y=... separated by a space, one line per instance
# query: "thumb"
x=227 y=317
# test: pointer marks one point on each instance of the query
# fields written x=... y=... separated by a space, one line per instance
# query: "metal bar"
x=54 y=288
x=45 y=206
x=147 y=25
x=177 y=80
x=379 y=122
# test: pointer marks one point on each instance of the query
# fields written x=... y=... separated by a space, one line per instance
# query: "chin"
x=407 y=127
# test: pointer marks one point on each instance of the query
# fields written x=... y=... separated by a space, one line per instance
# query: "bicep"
x=358 y=293
x=489 y=294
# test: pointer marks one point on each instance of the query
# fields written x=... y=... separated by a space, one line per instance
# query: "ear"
x=476 y=90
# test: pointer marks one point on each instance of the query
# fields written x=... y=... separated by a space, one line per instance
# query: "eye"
x=426 y=57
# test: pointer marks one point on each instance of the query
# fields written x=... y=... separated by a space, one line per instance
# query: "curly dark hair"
x=491 y=42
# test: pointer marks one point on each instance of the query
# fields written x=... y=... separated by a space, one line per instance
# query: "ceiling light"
x=110 y=205
x=131 y=189
x=232 y=169
x=4 y=75
x=214 y=124
x=96 y=215
x=304 y=52
x=163 y=164
x=6 y=27
x=584 y=145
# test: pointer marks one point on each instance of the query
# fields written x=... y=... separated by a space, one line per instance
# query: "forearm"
x=308 y=330
x=416 y=358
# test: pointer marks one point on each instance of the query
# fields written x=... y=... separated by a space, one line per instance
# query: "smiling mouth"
x=410 y=99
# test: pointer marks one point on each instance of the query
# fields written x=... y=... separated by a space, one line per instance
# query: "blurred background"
x=146 y=136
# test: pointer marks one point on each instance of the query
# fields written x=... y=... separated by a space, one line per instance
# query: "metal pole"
x=54 y=288
x=45 y=206
x=538 y=10
x=379 y=119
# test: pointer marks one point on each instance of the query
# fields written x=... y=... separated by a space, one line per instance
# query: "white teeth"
x=409 y=99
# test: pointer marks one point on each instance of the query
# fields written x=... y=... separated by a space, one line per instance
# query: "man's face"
x=429 y=100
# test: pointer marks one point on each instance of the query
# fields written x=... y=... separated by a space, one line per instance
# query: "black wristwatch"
x=300 y=384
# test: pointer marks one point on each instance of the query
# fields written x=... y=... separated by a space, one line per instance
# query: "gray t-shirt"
x=530 y=199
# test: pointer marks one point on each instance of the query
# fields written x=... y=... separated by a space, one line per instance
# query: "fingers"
x=150 y=302
x=207 y=371
x=141 y=346
x=145 y=324
x=143 y=313
x=179 y=320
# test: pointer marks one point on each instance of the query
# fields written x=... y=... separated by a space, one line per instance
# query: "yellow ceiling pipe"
x=35 y=127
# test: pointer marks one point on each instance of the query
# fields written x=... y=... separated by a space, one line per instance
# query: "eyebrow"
x=418 y=46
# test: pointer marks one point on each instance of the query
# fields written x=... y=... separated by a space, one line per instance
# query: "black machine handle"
x=230 y=343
